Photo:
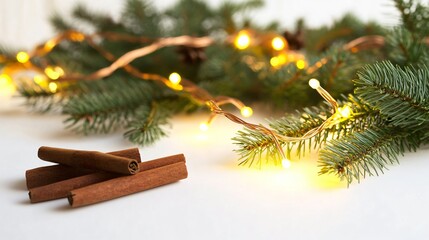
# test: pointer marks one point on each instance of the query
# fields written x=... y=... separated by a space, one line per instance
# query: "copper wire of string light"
x=356 y=45
x=314 y=83
x=197 y=93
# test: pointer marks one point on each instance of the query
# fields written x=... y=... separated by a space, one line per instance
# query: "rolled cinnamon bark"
x=49 y=174
x=126 y=185
x=89 y=159
x=61 y=189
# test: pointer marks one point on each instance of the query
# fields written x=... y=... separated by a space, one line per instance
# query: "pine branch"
x=366 y=153
x=141 y=18
x=414 y=15
x=40 y=99
x=59 y=23
x=147 y=125
x=345 y=29
x=255 y=146
x=103 y=110
x=404 y=49
x=229 y=9
x=6 y=53
x=337 y=72
x=401 y=95
x=100 y=21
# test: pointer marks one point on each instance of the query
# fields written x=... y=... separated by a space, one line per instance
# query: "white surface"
x=218 y=201
x=24 y=23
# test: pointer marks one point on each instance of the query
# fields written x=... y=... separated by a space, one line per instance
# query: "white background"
x=219 y=200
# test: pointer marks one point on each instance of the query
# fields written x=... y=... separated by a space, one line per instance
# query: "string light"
x=5 y=79
x=345 y=111
x=204 y=126
x=7 y=87
x=278 y=43
x=278 y=61
x=53 y=87
x=54 y=72
x=286 y=163
x=314 y=83
x=300 y=64
x=246 y=111
x=242 y=41
x=22 y=57
x=175 y=78
x=39 y=79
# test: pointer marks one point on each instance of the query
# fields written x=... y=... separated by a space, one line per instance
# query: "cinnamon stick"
x=89 y=159
x=49 y=174
x=126 y=185
x=62 y=188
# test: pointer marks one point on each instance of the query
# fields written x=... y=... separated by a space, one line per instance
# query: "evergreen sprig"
x=149 y=124
x=401 y=95
x=390 y=109
x=101 y=110
x=366 y=153
x=255 y=146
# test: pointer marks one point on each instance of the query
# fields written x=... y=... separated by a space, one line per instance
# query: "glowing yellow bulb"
x=204 y=126
x=7 y=88
x=22 y=57
x=5 y=79
x=314 y=83
x=345 y=111
x=286 y=163
x=278 y=61
x=39 y=79
x=53 y=87
x=278 y=43
x=242 y=41
x=246 y=111
x=300 y=64
x=175 y=78
x=54 y=72
x=275 y=62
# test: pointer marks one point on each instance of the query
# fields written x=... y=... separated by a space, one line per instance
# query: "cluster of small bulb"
x=244 y=40
x=44 y=78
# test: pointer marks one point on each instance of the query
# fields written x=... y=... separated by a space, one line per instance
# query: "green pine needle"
x=365 y=153
x=257 y=148
x=147 y=126
x=103 y=110
x=402 y=95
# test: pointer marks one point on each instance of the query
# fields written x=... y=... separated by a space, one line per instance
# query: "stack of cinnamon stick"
x=87 y=177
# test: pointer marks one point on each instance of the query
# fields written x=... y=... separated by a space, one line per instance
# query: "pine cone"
x=295 y=40
x=191 y=55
